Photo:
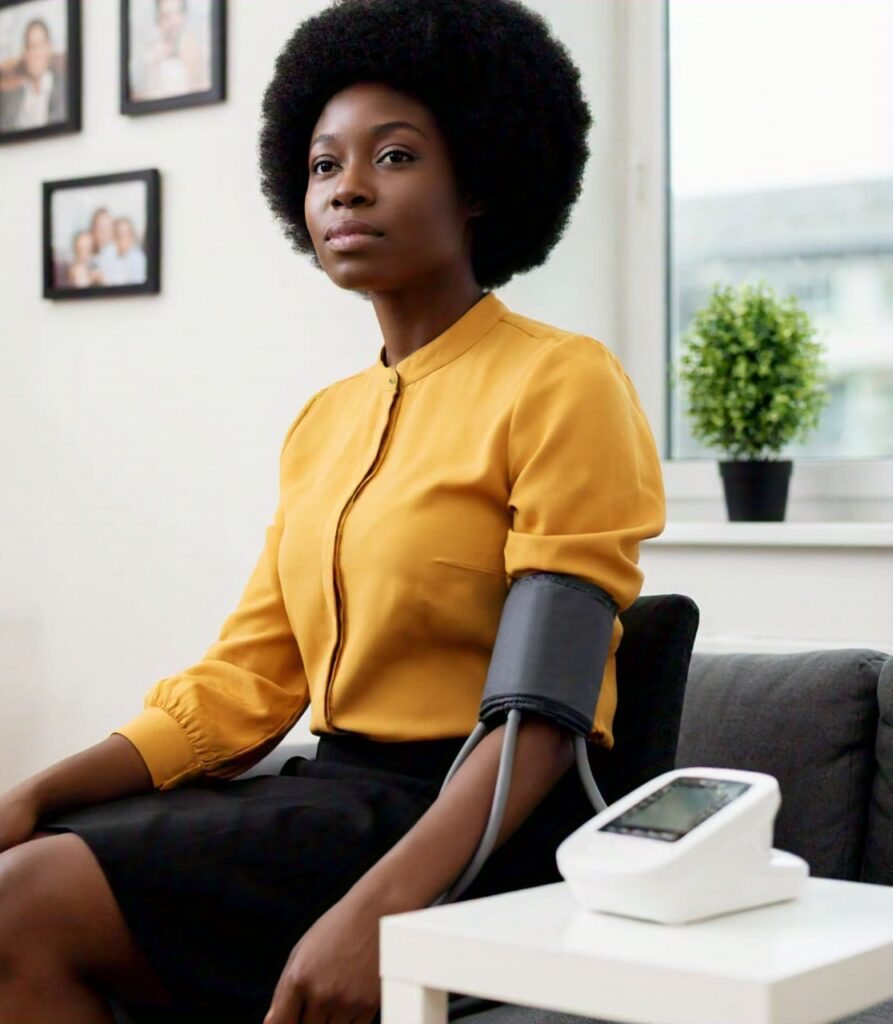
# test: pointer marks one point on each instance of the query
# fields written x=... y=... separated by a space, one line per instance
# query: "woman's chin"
x=356 y=278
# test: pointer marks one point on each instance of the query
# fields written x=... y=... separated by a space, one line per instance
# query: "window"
x=779 y=124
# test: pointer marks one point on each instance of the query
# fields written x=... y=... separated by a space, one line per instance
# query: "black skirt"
x=219 y=879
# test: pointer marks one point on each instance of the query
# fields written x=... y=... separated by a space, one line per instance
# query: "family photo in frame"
x=101 y=235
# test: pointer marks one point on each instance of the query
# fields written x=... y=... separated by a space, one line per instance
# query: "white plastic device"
x=689 y=844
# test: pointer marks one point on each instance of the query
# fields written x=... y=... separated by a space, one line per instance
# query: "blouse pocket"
x=461 y=603
x=475 y=568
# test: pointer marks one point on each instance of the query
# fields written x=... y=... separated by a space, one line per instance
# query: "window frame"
x=821 y=489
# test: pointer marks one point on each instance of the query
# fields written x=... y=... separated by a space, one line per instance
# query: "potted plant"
x=755 y=381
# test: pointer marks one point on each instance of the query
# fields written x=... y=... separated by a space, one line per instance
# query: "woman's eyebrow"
x=374 y=131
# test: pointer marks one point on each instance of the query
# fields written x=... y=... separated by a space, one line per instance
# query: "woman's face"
x=397 y=178
x=37 y=51
x=171 y=17
x=83 y=247
x=123 y=235
x=103 y=228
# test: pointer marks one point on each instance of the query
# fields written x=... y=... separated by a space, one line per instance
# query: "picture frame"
x=40 y=69
x=172 y=54
x=102 y=235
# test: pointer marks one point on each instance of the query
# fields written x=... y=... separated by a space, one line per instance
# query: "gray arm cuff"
x=550 y=651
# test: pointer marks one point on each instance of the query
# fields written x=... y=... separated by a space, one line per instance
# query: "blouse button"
x=392 y=380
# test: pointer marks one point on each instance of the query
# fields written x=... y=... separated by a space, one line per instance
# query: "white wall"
x=140 y=435
x=779 y=586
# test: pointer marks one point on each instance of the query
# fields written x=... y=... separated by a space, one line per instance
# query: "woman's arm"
x=435 y=852
x=223 y=714
x=110 y=769
x=412 y=874
x=105 y=771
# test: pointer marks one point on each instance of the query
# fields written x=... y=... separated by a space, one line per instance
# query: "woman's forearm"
x=110 y=769
x=435 y=852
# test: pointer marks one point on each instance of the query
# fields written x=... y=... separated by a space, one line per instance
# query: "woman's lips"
x=348 y=243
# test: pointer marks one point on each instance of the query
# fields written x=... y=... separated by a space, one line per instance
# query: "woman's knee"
x=15 y=874
x=56 y=902
x=42 y=888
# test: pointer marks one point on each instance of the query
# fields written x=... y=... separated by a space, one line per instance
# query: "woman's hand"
x=18 y=819
x=332 y=973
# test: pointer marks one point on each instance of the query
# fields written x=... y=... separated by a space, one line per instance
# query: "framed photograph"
x=102 y=235
x=173 y=54
x=40 y=68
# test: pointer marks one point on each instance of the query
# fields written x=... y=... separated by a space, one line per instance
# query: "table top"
x=749 y=961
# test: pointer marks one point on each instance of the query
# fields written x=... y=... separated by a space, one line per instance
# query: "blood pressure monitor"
x=689 y=844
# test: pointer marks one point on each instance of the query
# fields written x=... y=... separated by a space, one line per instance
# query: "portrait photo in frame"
x=172 y=54
x=40 y=68
x=102 y=235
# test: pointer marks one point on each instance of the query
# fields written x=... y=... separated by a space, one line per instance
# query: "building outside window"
x=779 y=120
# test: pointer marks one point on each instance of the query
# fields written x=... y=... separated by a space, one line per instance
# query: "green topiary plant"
x=754 y=375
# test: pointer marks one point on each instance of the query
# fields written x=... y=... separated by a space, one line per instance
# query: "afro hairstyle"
x=505 y=93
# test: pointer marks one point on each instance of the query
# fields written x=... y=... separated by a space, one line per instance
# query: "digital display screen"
x=672 y=811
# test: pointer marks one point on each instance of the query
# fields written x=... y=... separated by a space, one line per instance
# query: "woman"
x=482 y=445
x=174 y=62
x=40 y=99
x=105 y=252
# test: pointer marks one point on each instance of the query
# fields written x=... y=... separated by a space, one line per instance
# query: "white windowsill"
x=834 y=494
x=783 y=534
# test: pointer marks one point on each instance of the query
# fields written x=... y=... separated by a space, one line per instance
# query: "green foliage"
x=754 y=375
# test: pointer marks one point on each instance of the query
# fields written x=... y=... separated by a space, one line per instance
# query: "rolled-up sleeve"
x=223 y=714
x=586 y=485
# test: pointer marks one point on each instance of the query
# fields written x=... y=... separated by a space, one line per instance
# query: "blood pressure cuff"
x=550 y=650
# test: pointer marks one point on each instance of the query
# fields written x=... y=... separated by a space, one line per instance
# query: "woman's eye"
x=396 y=152
x=390 y=152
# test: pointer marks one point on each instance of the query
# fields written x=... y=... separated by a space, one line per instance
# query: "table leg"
x=403 y=1002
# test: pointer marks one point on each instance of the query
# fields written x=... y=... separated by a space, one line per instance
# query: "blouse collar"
x=447 y=346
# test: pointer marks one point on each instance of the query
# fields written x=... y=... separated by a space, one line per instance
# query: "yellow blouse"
x=410 y=497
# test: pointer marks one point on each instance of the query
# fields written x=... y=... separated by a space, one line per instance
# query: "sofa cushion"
x=877 y=867
x=809 y=719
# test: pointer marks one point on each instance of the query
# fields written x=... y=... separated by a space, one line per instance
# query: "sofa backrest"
x=811 y=720
x=653 y=661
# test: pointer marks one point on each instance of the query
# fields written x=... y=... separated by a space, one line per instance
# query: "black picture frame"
x=216 y=93
x=72 y=77
x=151 y=242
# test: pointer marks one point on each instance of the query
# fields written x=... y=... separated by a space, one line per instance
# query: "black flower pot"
x=757 y=489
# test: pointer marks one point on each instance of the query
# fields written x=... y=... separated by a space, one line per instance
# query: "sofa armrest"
x=877 y=865
x=273 y=762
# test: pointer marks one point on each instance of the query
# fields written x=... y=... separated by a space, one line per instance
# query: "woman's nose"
x=352 y=183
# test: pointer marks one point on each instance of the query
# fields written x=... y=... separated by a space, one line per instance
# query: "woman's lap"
x=218 y=881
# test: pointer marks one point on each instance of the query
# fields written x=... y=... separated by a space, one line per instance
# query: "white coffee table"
x=812 y=960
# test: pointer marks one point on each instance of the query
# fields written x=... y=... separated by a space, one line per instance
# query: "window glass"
x=780 y=139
